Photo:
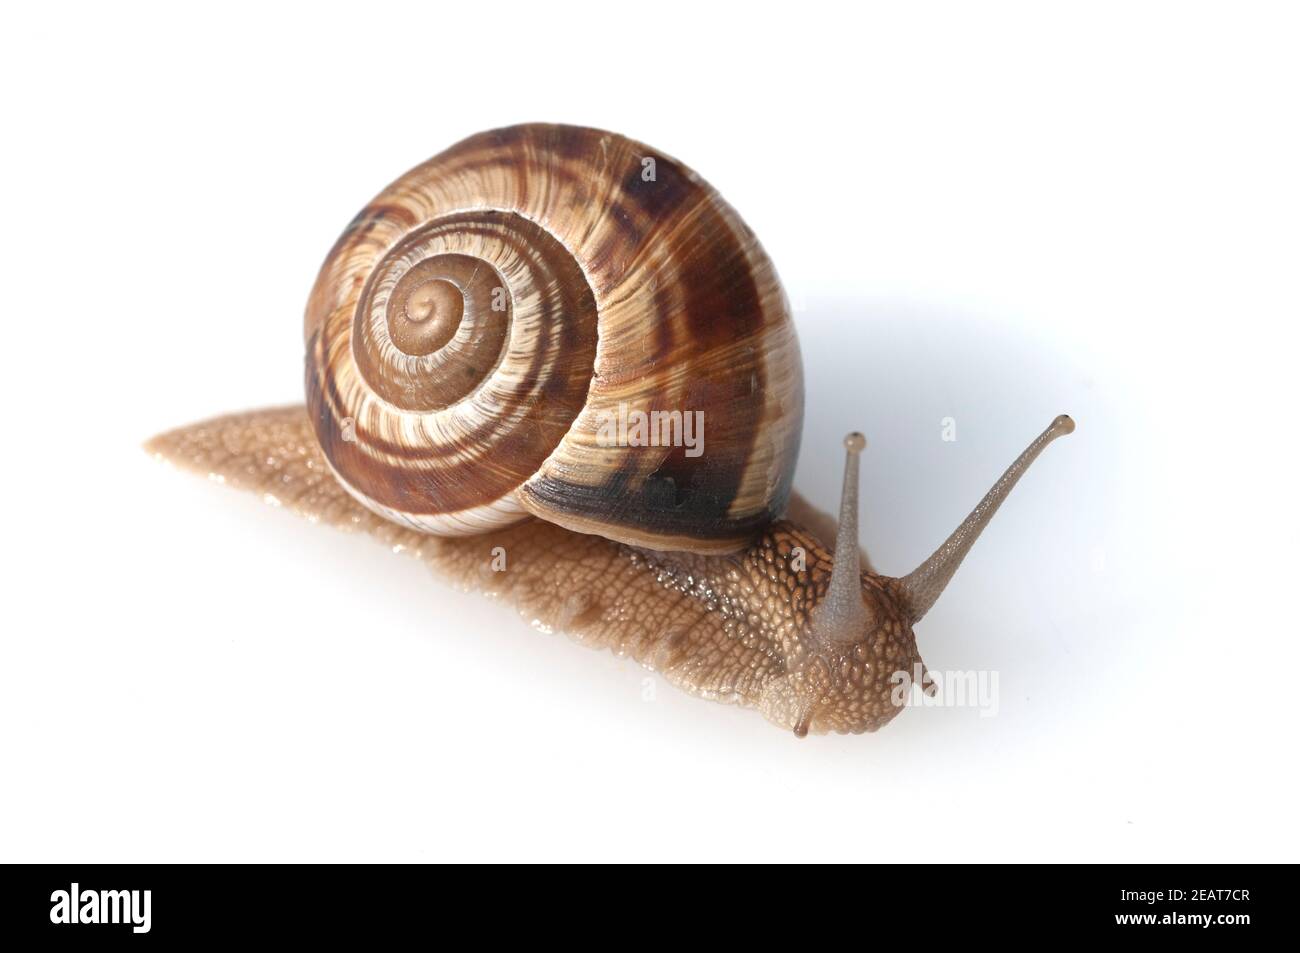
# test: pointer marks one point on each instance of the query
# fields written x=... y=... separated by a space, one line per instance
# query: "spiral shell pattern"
x=478 y=326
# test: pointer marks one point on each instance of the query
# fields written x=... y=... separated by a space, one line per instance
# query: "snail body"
x=470 y=338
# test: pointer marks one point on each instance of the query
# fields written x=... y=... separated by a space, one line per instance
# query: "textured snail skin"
x=732 y=628
x=480 y=318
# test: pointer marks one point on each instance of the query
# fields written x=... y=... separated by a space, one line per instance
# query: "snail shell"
x=478 y=322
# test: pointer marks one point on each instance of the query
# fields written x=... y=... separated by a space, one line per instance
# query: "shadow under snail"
x=478 y=339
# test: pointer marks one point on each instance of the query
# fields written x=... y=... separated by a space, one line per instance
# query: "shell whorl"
x=482 y=320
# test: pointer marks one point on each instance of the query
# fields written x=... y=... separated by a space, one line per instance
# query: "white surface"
x=995 y=214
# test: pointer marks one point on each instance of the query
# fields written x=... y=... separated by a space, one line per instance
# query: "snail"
x=505 y=352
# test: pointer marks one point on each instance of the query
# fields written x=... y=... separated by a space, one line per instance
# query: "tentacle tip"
x=1063 y=424
x=803 y=723
x=856 y=443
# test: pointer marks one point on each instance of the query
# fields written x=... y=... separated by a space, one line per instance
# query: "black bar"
x=1226 y=904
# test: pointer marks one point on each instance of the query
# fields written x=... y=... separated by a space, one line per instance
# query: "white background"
x=994 y=212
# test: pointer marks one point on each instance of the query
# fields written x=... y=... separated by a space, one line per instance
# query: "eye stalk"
x=842 y=616
x=926 y=583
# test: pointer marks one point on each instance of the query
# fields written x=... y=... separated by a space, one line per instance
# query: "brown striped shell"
x=478 y=326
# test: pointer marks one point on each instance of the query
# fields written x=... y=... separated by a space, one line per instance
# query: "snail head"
x=860 y=659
